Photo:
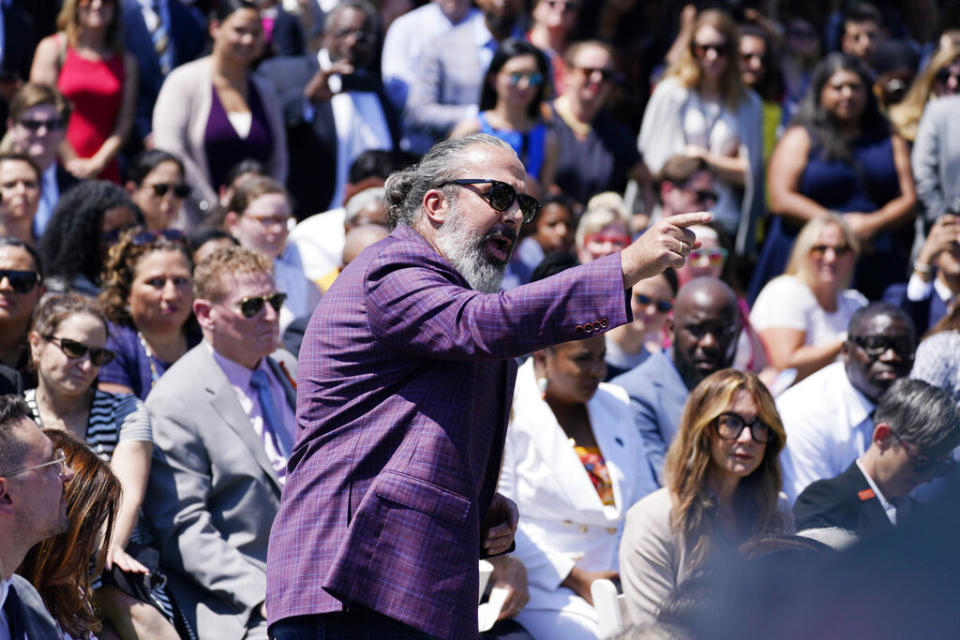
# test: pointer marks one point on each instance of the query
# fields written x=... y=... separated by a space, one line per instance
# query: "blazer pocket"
x=425 y=497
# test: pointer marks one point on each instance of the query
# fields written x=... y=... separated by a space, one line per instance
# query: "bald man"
x=706 y=327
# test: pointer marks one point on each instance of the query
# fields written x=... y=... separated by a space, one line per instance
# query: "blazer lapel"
x=614 y=444
x=224 y=402
x=871 y=513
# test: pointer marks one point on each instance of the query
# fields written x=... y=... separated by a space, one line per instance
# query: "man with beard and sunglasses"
x=916 y=428
x=223 y=420
x=407 y=371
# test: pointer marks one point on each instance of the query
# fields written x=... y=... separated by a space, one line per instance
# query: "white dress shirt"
x=828 y=424
x=4 y=623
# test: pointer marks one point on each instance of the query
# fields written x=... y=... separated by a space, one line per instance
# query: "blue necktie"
x=272 y=418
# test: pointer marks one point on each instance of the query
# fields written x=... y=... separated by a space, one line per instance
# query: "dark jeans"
x=359 y=623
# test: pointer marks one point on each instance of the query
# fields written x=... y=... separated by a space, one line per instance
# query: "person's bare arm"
x=46 y=62
x=787 y=163
x=131 y=464
x=729 y=169
x=579 y=581
x=786 y=351
x=465 y=128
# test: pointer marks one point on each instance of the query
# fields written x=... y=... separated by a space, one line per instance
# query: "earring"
x=542 y=385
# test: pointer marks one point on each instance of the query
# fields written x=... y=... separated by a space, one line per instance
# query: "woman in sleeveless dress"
x=86 y=62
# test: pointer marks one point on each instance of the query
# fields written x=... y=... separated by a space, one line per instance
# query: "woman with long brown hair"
x=85 y=60
x=60 y=567
x=723 y=485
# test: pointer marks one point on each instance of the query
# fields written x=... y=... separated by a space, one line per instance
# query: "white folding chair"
x=610 y=607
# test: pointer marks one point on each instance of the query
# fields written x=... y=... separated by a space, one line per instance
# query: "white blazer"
x=562 y=520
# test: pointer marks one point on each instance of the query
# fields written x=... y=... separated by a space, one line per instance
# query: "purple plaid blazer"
x=406 y=377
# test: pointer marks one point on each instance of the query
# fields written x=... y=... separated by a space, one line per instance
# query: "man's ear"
x=230 y=221
x=201 y=309
x=6 y=502
x=883 y=435
x=437 y=206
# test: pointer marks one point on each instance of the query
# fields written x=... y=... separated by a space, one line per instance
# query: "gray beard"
x=465 y=252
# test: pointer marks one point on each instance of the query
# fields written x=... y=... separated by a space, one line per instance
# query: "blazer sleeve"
x=648 y=558
x=419 y=306
x=643 y=407
x=925 y=160
x=271 y=106
x=172 y=115
x=176 y=506
x=821 y=505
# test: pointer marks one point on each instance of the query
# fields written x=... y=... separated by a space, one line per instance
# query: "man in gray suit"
x=32 y=509
x=447 y=85
x=705 y=331
x=223 y=423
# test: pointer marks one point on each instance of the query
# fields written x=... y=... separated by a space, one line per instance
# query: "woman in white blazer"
x=570 y=518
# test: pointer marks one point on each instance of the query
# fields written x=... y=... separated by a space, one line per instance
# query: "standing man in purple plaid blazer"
x=406 y=376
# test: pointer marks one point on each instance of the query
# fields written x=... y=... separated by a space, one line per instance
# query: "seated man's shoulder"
x=33 y=614
x=816 y=392
x=825 y=503
x=646 y=374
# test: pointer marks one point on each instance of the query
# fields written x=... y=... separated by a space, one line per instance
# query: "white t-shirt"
x=787 y=303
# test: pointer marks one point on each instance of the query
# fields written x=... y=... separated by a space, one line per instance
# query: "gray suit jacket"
x=657 y=395
x=447 y=86
x=26 y=615
x=212 y=496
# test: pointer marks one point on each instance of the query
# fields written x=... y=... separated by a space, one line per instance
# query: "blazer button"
x=578 y=329
x=612 y=530
x=604 y=324
x=588 y=327
x=584 y=528
x=597 y=326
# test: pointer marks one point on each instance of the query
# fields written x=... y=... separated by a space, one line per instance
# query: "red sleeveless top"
x=96 y=90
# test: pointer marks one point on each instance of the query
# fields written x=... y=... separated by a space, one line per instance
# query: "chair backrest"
x=485 y=570
x=610 y=606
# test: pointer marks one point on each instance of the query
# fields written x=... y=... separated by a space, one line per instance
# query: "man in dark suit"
x=37 y=125
x=706 y=326
x=32 y=509
x=223 y=428
x=335 y=107
x=161 y=35
x=408 y=368
x=916 y=428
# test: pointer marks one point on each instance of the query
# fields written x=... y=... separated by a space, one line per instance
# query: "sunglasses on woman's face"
x=533 y=79
x=251 y=305
x=73 y=350
x=180 y=190
x=663 y=306
x=20 y=281
x=146 y=237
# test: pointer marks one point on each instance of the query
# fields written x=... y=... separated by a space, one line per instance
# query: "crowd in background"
x=182 y=181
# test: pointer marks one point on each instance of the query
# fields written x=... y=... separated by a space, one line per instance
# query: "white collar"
x=888 y=507
x=4 y=590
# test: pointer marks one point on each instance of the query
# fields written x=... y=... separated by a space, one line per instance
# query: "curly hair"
x=686 y=69
x=120 y=271
x=689 y=461
x=208 y=277
x=59 y=567
x=70 y=246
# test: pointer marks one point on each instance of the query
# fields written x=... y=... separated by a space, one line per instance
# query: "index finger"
x=684 y=220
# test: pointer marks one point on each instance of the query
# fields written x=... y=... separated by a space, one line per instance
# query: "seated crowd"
x=181 y=182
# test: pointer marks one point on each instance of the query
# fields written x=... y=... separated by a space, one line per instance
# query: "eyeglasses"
x=20 y=281
x=534 y=79
x=53 y=124
x=605 y=74
x=145 y=237
x=73 y=350
x=251 y=305
x=565 y=5
x=747 y=56
x=361 y=36
x=180 y=190
x=719 y=332
x=706 y=197
x=501 y=197
x=713 y=257
x=876 y=346
x=722 y=49
x=820 y=250
x=616 y=239
x=59 y=458
x=663 y=306
x=922 y=465
x=730 y=425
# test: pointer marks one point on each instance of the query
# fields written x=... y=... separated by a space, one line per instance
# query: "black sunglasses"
x=145 y=236
x=73 y=349
x=251 y=305
x=20 y=281
x=876 y=346
x=730 y=425
x=502 y=196
x=839 y=250
x=663 y=306
x=922 y=464
x=180 y=190
x=54 y=124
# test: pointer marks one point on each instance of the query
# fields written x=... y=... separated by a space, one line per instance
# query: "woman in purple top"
x=147 y=296
x=214 y=112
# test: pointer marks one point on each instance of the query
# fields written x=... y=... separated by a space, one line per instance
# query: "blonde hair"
x=905 y=116
x=208 y=277
x=799 y=265
x=603 y=210
x=686 y=69
x=689 y=461
x=67 y=23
